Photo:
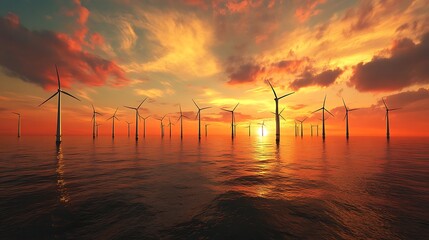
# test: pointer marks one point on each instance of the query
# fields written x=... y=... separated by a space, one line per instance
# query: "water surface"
x=248 y=188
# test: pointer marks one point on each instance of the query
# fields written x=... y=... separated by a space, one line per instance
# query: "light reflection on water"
x=216 y=188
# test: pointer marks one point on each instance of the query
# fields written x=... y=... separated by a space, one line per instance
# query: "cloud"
x=244 y=73
x=31 y=55
x=407 y=66
x=408 y=99
x=323 y=79
x=308 y=9
x=154 y=92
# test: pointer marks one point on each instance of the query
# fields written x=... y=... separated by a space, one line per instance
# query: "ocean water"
x=249 y=188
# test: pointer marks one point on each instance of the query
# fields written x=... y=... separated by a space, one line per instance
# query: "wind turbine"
x=323 y=117
x=296 y=129
x=346 y=117
x=232 y=119
x=128 y=127
x=302 y=130
x=248 y=128
x=19 y=123
x=387 y=118
x=137 y=117
x=144 y=125
x=94 y=120
x=276 y=99
x=162 y=125
x=317 y=129
x=205 y=126
x=96 y=129
x=113 y=117
x=262 y=125
x=59 y=91
x=199 y=117
x=169 y=124
x=181 y=121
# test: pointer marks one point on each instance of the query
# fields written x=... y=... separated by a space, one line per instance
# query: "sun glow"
x=262 y=133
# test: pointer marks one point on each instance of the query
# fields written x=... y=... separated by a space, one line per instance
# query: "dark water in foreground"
x=216 y=189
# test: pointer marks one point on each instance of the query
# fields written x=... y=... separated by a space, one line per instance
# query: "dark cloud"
x=309 y=78
x=244 y=73
x=31 y=55
x=408 y=98
x=407 y=65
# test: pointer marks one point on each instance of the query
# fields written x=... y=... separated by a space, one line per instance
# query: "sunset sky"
x=117 y=52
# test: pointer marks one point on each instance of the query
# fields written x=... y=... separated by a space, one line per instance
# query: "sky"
x=115 y=53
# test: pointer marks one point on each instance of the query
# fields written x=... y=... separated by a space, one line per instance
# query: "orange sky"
x=115 y=53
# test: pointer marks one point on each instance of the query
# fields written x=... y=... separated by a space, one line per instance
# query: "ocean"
x=218 y=188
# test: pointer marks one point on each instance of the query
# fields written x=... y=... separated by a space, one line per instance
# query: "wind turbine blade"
x=393 y=109
x=141 y=103
x=98 y=113
x=286 y=95
x=115 y=111
x=344 y=103
x=16 y=113
x=58 y=77
x=66 y=93
x=235 y=107
x=109 y=118
x=281 y=111
x=345 y=115
x=205 y=108
x=180 y=107
x=131 y=107
x=304 y=119
x=48 y=99
x=273 y=113
x=93 y=108
x=385 y=105
x=324 y=101
x=198 y=113
x=329 y=112
x=275 y=95
x=116 y=118
x=282 y=117
x=353 y=109
x=195 y=104
x=317 y=110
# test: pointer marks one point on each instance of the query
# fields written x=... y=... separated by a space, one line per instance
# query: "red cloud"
x=245 y=73
x=31 y=55
x=407 y=65
x=308 y=10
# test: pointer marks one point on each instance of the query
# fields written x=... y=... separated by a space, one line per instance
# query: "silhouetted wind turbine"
x=296 y=129
x=94 y=120
x=199 y=117
x=302 y=129
x=262 y=125
x=169 y=124
x=317 y=128
x=162 y=125
x=137 y=117
x=232 y=119
x=323 y=117
x=248 y=128
x=59 y=91
x=205 y=126
x=387 y=118
x=96 y=129
x=19 y=123
x=113 y=117
x=128 y=123
x=144 y=125
x=346 y=117
x=276 y=99
x=181 y=121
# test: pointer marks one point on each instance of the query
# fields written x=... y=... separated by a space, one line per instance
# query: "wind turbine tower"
x=113 y=117
x=346 y=117
x=19 y=123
